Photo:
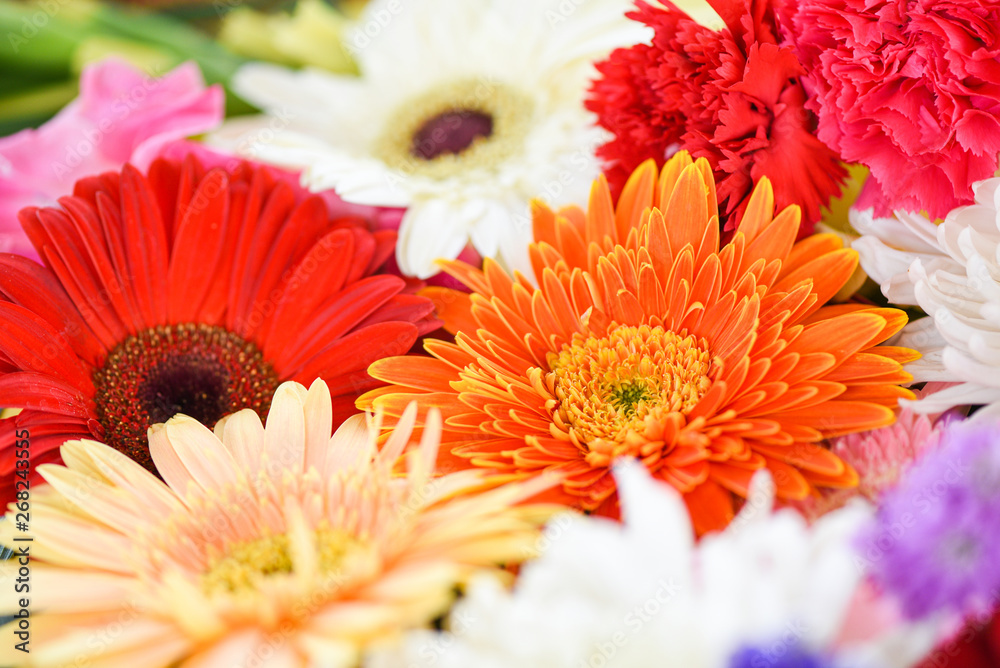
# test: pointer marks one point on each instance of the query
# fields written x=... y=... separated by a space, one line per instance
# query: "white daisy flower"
x=642 y=593
x=465 y=111
x=952 y=272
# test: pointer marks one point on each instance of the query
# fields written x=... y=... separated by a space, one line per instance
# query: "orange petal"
x=711 y=507
x=637 y=196
x=687 y=212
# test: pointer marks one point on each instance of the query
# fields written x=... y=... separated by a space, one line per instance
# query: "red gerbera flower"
x=186 y=291
x=732 y=96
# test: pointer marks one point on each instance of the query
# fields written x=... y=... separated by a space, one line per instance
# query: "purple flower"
x=935 y=543
x=771 y=657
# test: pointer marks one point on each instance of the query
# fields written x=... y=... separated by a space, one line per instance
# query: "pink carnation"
x=881 y=456
x=121 y=116
x=909 y=88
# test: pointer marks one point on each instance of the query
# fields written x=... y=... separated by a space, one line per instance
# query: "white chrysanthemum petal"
x=954 y=276
x=629 y=595
x=959 y=395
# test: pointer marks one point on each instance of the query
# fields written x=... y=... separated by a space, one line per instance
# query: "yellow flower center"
x=608 y=386
x=245 y=564
x=461 y=125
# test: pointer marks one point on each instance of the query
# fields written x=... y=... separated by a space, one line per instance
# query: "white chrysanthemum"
x=466 y=110
x=952 y=272
x=643 y=594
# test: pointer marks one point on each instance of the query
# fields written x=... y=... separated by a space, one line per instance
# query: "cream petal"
x=416 y=581
x=64 y=540
x=284 y=433
x=326 y=651
x=103 y=503
x=140 y=642
x=349 y=447
x=400 y=436
x=74 y=590
x=352 y=618
x=206 y=459
x=969 y=370
x=319 y=424
x=302 y=544
x=244 y=438
x=652 y=509
x=168 y=463
x=249 y=647
x=515 y=236
x=79 y=455
x=964 y=394
x=149 y=491
x=305 y=97
x=430 y=441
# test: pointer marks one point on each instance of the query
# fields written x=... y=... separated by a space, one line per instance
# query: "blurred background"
x=44 y=44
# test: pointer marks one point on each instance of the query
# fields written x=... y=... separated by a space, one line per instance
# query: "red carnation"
x=909 y=88
x=732 y=96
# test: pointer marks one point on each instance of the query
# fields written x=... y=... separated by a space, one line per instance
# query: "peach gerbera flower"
x=270 y=545
x=645 y=339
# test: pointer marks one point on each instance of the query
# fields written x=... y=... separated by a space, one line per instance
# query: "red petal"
x=44 y=393
x=198 y=247
x=35 y=288
x=359 y=349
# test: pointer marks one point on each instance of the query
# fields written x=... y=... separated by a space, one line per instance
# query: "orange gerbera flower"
x=645 y=339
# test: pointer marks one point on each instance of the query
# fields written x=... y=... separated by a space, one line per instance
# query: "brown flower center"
x=455 y=128
x=450 y=132
x=201 y=371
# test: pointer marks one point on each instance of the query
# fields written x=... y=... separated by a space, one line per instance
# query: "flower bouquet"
x=536 y=333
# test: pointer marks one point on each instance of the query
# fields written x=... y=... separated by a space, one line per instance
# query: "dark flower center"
x=450 y=132
x=201 y=371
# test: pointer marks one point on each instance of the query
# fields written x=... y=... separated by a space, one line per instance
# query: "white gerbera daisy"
x=466 y=110
x=952 y=272
x=642 y=593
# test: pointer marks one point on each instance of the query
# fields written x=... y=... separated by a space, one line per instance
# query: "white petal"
x=430 y=230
